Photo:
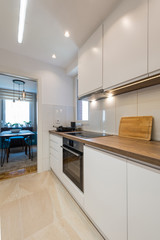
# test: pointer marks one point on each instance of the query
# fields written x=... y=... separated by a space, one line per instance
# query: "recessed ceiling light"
x=22 y=15
x=54 y=56
x=67 y=34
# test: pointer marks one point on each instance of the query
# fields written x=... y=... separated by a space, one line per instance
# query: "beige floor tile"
x=35 y=182
x=11 y=227
x=37 y=206
x=69 y=230
x=9 y=191
x=52 y=232
x=37 y=212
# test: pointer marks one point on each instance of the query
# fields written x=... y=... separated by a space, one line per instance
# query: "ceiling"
x=6 y=82
x=46 y=22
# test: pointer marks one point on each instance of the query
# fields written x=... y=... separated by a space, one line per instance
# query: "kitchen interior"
x=98 y=113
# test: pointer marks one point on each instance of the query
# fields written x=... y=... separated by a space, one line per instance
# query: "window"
x=16 y=112
x=82 y=110
x=82 y=105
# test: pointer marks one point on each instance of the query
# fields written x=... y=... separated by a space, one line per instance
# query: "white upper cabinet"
x=143 y=203
x=125 y=43
x=90 y=64
x=154 y=35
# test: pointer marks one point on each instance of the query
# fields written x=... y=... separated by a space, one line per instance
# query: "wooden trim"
x=129 y=87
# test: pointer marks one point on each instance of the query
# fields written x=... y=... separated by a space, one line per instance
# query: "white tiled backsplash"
x=57 y=115
x=52 y=113
x=105 y=115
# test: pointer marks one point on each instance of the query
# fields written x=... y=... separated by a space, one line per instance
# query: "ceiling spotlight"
x=67 y=34
x=54 y=56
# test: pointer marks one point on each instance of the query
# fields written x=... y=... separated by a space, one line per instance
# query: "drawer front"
x=54 y=153
x=55 y=147
x=56 y=139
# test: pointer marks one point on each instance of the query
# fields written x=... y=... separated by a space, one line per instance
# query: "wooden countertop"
x=145 y=151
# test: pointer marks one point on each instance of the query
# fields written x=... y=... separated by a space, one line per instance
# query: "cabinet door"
x=105 y=192
x=56 y=154
x=154 y=35
x=143 y=203
x=125 y=43
x=90 y=64
x=54 y=159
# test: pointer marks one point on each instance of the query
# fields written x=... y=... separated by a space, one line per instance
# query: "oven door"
x=73 y=165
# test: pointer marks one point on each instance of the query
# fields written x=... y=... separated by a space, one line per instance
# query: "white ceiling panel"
x=46 y=21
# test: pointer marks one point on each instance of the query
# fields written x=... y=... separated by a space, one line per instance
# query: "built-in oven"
x=73 y=161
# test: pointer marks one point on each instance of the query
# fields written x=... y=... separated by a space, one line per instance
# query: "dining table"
x=7 y=134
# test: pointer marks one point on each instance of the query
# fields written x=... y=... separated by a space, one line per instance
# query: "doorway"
x=18 y=126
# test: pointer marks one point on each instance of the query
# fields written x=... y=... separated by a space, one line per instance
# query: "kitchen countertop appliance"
x=73 y=161
x=73 y=156
x=87 y=134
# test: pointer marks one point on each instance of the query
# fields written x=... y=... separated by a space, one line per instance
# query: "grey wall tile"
x=126 y=105
x=108 y=115
x=149 y=105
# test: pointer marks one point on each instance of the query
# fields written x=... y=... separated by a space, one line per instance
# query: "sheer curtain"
x=17 y=112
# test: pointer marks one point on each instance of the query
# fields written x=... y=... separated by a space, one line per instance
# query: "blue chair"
x=29 y=141
x=5 y=146
x=34 y=139
x=16 y=141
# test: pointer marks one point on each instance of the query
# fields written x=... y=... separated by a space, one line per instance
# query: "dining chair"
x=29 y=141
x=14 y=141
x=5 y=148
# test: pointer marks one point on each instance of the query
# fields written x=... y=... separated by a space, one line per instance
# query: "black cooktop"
x=85 y=134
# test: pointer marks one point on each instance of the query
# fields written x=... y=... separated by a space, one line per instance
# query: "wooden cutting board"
x=136 y=127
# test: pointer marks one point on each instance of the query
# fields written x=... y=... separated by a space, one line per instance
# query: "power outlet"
x=57 y=121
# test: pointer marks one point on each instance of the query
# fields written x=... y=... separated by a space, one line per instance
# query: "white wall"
x=105 y=115
x=55 y=96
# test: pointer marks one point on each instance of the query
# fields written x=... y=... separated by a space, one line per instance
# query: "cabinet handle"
x=74 y=153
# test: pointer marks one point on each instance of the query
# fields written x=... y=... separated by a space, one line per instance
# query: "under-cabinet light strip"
x=133 y=84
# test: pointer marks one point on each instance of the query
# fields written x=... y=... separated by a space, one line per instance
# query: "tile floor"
x=37 y=206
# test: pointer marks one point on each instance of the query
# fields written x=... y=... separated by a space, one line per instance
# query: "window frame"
x=76 y=103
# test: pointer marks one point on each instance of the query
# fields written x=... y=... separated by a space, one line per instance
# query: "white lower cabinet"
x=56 y=155
x=121 y=198
x=56 y=164
x=73 y=190
x=105 y=192
x=143 y=203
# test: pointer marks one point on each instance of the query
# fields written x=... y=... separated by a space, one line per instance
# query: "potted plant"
x=15 y=125
x=8 y=124
x=27 y=124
